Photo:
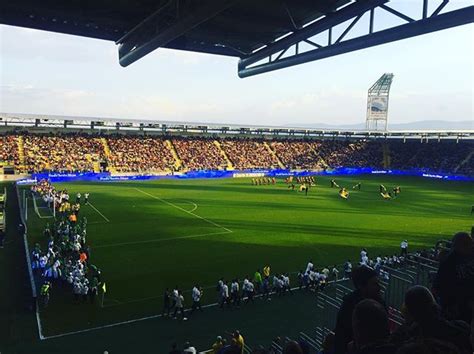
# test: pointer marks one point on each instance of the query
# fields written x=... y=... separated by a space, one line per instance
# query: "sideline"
x=136 y=320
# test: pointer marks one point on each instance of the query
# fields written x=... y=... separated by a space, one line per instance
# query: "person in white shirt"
x=363 y=253
x=234 y=292
x=310 y=266
x=225 y=295
x=250 y=291
x=335 y=273
x=86 y=198
x=78 y=198
x=404 y=248
x=286 y=282
x=196 y=296
x=179 y=306
x=364 y=260
x=322 y=281
x=188 y=349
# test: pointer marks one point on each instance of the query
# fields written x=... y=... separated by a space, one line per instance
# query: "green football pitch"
x=147 y=236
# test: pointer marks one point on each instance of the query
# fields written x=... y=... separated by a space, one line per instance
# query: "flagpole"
x=102 y=303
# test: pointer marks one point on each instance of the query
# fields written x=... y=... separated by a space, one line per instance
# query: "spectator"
x=238 y=341
x=174 y=349
x=454 y=283
x=423 y=321
x=370 y=327
x=179 y=306
x=218 y=345
x=2 y=238
x=367 y=286
x=189 y=349
x=292 y=347
x=427 y=346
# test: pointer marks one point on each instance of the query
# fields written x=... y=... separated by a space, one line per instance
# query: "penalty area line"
x=186 y=211
x=97 y=210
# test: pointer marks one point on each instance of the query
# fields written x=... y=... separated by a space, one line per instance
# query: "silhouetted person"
x=423 y=321
x=366 y=283
x=370 y=327
x=454 y=283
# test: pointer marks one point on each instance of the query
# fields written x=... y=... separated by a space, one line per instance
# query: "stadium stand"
x=351 y=153
x=199 y=153
x=62 y=153
x=445 y=156
x=248 y=153
x=139 y=154
x=298 y=154
x=9 y=150
x=154 y=154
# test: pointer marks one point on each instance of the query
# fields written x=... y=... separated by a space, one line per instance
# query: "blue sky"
x=50 y=73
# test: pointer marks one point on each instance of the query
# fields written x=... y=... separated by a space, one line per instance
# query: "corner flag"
x=104 y=288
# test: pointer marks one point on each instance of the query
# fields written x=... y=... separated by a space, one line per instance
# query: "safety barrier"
x=107 y=177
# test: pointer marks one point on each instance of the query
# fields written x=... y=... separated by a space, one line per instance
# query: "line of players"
x=306 y=182
x=263 y=181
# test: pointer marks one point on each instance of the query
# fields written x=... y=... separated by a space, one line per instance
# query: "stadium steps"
x=177 y=161
x=107 y=153
x=271 y=151
x=464 y=162
x=21 y=152
x=230 y=166
x=386 y=156
x=321 y=160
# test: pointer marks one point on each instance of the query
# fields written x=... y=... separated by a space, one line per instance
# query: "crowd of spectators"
x=442 y=156
x=66 y=259
x=199 y=153
x=340 y=153
x=144 y=154
x=434 y=321
x=61 y=153
x=9 y=149
x=248 y=153
x=298 y=154
x=139 y=154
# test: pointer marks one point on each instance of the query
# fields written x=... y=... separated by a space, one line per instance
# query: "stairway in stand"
x=464 y=162
x=270 y=150
x=321 y=160
x=177 y=161
x=386 y=156
x=21 y=153
x=230 y=166
x=107 y=153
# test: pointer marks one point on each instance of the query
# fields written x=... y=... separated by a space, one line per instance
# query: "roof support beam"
x=413 y=28
x=145 y=37
x=322 y=25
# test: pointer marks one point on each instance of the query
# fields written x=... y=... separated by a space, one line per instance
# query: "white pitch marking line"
x=195 y=207
x=93 y=207
x=118 y=303
x=186 y=211
x=161 y=239
x=139 y=319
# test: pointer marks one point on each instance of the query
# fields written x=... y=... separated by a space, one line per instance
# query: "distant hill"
x=420 y=125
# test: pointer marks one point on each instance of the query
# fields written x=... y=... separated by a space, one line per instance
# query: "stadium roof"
x=260 y=32
x=227 y=27
x=46 y=123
